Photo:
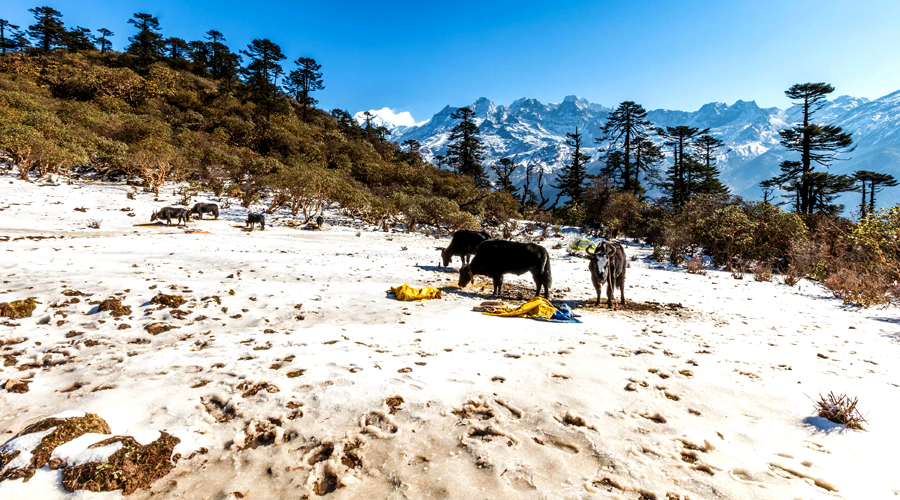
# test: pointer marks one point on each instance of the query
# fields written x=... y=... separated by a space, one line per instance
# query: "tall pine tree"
x=7 y=38
x=465 y=152
x=104 y=39
x=48 y=30
x=220 y=61
x=707 y=148
x=176 y=48
x=573 y=177
x=682 y=177
x=303 y=80
x=79 y=39
x=625 y=127
x=817 y=145
x=871 y=183
x=262 y=72
x=147 y=44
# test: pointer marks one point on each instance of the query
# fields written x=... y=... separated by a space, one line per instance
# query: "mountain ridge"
x=529 y=128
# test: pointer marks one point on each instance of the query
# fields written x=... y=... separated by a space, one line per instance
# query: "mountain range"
x=528 y=128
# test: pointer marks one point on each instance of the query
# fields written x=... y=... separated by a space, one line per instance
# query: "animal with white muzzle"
x=608 y=266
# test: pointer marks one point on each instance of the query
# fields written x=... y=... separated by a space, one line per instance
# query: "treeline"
x=694 y=211
x=233 y=122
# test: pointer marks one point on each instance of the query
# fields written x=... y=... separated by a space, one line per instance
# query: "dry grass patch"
x=695 y=266
x=66 y=429
x=164 y=300
x=18 y=309
x=115 y=307
x=840 y=409
x=132 y=467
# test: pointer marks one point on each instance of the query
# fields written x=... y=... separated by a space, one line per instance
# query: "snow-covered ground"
x=306 y=377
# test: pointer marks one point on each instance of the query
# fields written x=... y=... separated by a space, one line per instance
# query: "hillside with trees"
x=244 y=125
x=238 y=123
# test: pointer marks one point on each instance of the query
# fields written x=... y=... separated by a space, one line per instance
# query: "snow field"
x=308 y=380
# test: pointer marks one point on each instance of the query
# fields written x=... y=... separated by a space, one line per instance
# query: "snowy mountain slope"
x=293 y=374
x=528 y=128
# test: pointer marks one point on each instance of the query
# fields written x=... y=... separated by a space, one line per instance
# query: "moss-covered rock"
x=18 y=309
x=132 y=467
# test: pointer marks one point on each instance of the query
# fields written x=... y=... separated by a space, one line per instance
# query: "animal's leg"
x=609 y=292
x=622 y=290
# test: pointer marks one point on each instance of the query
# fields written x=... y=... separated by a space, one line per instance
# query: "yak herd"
x=481 y=255
x=495 y=257
x=183 y=215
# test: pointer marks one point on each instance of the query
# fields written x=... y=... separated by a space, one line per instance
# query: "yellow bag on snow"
x=537 y=307
x=406 y=292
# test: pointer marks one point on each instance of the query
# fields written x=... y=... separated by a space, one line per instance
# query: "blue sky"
x=420 y=56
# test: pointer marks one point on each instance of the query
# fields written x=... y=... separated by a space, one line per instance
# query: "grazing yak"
x=169 y=213
x=608 y=266
x=205 y=208
x=463 y=244
x=258 y=219
x=495 y=258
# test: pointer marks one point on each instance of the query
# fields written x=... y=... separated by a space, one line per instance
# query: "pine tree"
x=412 y=146
x=768 y=187
x=348 y=125
x=572 y=178
x=817 y=144
x=647 y=159
x=682 y=177
x=707 y=146
x=104 y=40
x=147 y=44
x=200 y=56
x=79 y=39
x=223 y=64
x=48 y=30
x=465 y=152
x=503 y=169
x=176 y=48
x=7 y=40
x=303 y=80
x=876 y=183
x=262 y=72
x=824 y=188
x=625 y=126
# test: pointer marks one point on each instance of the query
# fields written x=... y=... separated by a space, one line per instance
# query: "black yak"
x=463 y=244
x=495 y=258
x=259 y=219
x=169 y=213
x=205 y=208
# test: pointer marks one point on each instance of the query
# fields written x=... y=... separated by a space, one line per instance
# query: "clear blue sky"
x=419 y=56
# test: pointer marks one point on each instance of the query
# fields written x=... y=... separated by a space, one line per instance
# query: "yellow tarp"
x=406 y=292
x=537 y=307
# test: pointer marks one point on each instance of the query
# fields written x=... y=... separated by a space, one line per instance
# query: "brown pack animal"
x=183 y=215
x=607 y=266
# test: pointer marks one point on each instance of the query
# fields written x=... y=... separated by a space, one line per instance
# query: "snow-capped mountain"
x=396 y=122
x=528 y=128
